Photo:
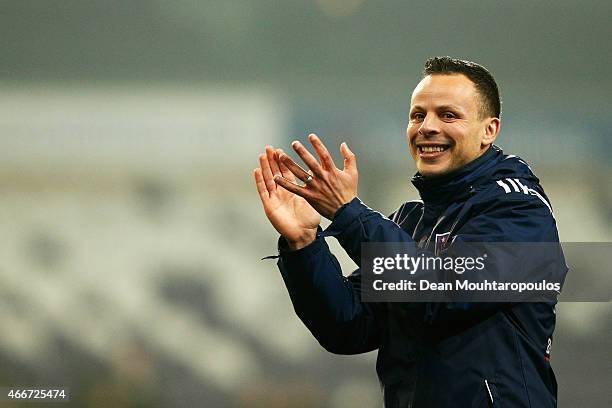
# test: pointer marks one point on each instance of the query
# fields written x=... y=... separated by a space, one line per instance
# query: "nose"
x=429 y=126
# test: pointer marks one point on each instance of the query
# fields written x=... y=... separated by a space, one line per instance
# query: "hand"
x=288 y=213
x=327 y=188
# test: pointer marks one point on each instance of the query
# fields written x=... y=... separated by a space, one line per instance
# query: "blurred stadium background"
x=132 y=234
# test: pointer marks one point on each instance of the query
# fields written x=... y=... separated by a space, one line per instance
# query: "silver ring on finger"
x=309 y=180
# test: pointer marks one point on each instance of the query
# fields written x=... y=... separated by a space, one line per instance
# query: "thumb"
x=350 y=161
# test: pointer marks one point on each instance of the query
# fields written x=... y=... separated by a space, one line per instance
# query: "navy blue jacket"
x=437 y=354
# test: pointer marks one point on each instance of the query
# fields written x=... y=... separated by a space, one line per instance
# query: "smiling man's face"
x=446 y=129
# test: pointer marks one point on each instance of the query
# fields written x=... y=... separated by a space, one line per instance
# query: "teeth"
x=432 y=149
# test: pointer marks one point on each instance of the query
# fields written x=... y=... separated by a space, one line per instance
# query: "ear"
x=491 y=130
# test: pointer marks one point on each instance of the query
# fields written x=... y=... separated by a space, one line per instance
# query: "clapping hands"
x=294 y=209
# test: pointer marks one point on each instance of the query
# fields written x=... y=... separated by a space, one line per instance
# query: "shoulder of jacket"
x=510 y=190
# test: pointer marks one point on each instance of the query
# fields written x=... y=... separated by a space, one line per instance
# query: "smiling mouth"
x=431 y=151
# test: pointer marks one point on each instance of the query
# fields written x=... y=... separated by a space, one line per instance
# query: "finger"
x=293 y=167
x=326 y=159
x=272 y=161
x=267 y=173
x=284 y=170
x=350 y=160
x=292 y=187
x=308 y=158
x=261 y=185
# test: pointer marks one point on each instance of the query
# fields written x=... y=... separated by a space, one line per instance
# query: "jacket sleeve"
x=355 y=223
x=328 y=303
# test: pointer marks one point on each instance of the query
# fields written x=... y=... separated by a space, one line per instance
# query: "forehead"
x=454 y=89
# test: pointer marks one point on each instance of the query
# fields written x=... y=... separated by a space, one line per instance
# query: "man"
x=430 y=354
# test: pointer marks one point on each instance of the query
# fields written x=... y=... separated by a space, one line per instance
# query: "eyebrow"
x=439 y=108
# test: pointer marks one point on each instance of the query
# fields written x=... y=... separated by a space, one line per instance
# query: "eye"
x=448 y=115
x=418 y=116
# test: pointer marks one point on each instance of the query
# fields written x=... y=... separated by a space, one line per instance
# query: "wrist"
x=306 y=239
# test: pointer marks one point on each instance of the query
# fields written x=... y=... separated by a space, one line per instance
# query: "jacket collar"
x=458 y=183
